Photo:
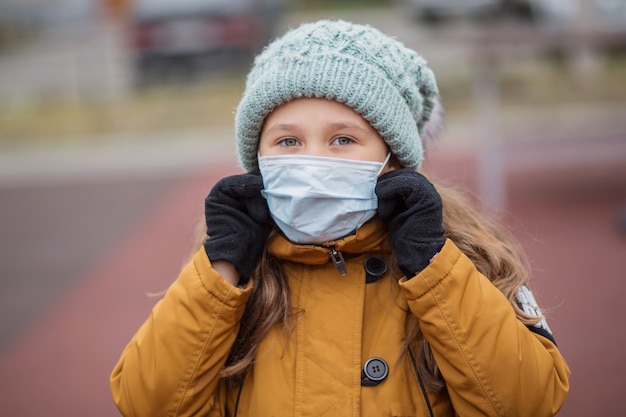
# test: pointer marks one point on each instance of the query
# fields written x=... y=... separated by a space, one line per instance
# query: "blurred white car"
x=601 y=13
x=436 y=10
x=610 y=14
x=535 y=10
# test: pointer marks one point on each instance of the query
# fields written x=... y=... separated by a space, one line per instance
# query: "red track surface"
x=567 y=220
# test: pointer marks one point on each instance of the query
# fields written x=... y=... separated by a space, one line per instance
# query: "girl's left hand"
x=413 y=210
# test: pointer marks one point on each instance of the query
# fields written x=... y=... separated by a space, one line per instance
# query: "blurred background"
x=116 y=118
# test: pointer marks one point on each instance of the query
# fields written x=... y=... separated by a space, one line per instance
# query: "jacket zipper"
x=337 y=259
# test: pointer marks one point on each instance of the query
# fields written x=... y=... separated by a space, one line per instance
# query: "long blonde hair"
x=492 y=250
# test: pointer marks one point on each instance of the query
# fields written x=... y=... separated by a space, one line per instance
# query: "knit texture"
x=388 y=84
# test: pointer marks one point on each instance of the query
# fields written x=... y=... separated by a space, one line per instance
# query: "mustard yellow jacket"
x=492 y=364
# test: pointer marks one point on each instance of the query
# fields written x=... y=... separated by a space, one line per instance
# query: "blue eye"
x=343 y=140
x=289 y=142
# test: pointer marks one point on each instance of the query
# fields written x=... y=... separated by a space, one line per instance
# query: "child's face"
x=320 y=127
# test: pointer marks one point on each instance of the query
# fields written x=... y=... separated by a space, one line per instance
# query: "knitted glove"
x=238 y=222
x=412 y=208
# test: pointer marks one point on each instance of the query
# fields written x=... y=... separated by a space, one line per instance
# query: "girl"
x=335 y=279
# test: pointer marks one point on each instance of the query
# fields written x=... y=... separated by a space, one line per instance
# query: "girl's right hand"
x=238 y=222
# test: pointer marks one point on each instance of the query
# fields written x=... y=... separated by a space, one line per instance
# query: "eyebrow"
x=282 y=126
x=336 y=125
x=344 y=125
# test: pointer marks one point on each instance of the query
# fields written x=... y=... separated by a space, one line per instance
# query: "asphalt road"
x=83 y=258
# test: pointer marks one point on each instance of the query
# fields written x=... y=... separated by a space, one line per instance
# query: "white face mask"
x=316 y=199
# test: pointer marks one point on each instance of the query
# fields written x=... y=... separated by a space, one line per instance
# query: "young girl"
x=335 y=279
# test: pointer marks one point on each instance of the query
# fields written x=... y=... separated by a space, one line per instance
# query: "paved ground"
x=82 y=256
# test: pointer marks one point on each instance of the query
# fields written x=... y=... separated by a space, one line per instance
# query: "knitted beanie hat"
x=388 y=84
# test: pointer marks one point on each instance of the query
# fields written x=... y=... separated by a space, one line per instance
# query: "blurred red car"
x=182 y=38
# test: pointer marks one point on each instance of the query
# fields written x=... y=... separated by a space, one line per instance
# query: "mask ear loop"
x=384 y=164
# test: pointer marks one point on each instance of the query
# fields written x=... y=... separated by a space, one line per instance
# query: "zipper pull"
x=337 y=259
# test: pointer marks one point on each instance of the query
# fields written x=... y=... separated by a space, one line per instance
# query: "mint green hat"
x=376 y=75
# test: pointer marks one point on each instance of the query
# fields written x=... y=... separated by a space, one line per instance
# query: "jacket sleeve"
x=172 y=364
x=492 y=363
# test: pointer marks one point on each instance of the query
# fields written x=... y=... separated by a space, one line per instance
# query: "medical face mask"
x=317 y=199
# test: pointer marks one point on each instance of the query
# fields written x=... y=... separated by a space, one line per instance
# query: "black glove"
x=238 y=222
x=412 y=208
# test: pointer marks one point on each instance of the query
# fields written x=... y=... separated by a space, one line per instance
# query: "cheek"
x=378 y=148
x=264 y=148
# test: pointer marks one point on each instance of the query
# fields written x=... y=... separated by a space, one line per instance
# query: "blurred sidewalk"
x=147 y=155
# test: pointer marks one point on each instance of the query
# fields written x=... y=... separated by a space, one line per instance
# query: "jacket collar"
x=371 y=237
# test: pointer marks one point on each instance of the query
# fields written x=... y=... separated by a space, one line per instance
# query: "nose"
x=316 y=148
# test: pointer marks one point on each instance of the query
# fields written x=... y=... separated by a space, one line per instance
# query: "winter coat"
x=492 y=364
